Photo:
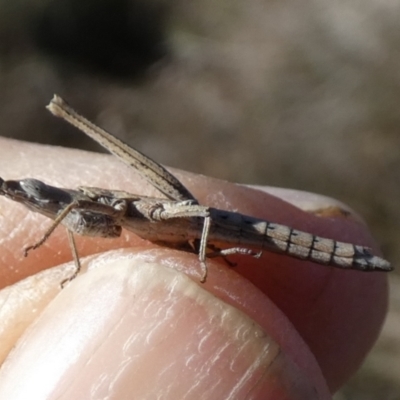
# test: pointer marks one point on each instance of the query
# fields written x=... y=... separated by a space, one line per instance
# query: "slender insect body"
x=177 y=221
x=242 y=230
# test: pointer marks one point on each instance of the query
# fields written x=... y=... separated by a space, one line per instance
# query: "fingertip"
x=147 y=330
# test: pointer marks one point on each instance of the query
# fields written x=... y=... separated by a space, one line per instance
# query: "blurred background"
x=302 y=95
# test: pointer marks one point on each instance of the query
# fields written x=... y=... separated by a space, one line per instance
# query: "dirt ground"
x=301 y=95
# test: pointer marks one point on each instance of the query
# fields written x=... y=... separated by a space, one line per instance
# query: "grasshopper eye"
x=34 y=188
x=40 y=191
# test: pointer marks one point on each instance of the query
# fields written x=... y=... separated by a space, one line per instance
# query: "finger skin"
x=133 y=328
x=338 y=313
